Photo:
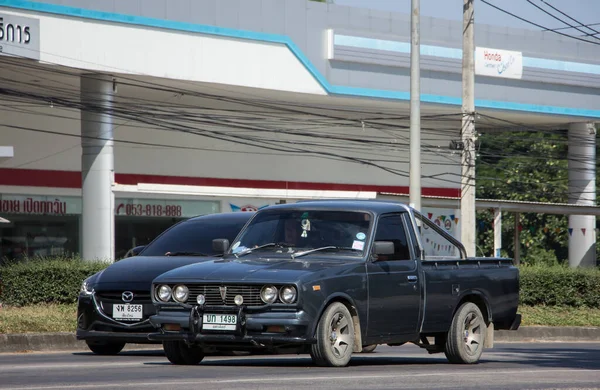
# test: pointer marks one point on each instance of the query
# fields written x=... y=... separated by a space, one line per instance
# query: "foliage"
x=559 y=316
x=525 y=166
x=38 y=318
x=560 y=286
x=44 y=280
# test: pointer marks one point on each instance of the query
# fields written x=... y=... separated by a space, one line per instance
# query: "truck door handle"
x=412 y=278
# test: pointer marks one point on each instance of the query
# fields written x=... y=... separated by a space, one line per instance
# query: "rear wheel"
x=105 y=348
x=180 y=353
x=335 y=337
x=464 y=344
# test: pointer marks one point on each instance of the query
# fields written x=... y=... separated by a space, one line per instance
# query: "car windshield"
x=293 y=232
x=193 y=237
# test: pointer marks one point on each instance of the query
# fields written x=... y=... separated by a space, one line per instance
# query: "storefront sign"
x=42 y=205
x=164 y=208
x=19 y=36
x=498 y=63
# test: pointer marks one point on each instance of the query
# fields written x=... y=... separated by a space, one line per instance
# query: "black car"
x=114 y=304
x=331 y=278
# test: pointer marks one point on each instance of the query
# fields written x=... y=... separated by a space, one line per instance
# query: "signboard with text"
x=19 y=36
x=71 y=205
x=498 y=63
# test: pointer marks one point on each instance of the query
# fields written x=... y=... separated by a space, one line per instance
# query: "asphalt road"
x=507 y=366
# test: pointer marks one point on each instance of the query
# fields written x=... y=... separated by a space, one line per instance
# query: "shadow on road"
x=582 y=356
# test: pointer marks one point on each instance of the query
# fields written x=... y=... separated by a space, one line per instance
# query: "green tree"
x=524 y=166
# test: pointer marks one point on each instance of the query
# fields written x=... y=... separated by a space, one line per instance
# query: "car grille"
x=212 y=293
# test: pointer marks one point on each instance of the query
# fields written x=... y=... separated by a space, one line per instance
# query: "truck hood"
x=137 y=273
x=254 y=270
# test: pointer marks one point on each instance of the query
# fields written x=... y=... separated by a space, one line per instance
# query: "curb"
x=66 y=341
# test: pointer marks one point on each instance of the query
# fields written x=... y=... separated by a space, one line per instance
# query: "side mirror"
x=383 y=248
x=134 y=251
x=220 y=245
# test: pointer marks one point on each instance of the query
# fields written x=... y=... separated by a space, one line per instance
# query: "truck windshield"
x=294 y=231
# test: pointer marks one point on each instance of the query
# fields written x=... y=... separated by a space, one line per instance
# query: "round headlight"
x=288 y=294
x=180 y=293
x=238 y=300
x=164 y=293
x=200 y=299
x=268 y=294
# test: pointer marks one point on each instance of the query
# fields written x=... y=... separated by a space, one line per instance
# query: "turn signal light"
x=276 y=329
x=172 y=327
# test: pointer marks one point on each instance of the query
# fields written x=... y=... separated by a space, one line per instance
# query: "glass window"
x=193 y=236
x=40 y=235
x=307 y=229
x=391 y=228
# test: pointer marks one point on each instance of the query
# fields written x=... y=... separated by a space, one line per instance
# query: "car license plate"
x=127 y=312
x=219 y=321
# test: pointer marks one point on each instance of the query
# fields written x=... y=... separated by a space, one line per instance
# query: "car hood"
x=137 y=273
x=255 y=270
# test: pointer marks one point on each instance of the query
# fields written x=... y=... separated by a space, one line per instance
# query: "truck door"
x=393 y=282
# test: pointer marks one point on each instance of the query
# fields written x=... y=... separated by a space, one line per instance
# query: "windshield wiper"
x=249 y=250
x=294 y=255
x=183 y=253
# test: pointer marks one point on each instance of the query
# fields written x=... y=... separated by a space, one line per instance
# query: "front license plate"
x=127 y=312
x=219 y=321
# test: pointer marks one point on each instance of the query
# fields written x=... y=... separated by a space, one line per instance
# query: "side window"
x=391 y=228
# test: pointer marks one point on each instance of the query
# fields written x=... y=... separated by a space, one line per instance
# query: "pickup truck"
x=334 y=277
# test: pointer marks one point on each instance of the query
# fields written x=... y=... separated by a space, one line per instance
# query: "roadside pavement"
x=29 y=342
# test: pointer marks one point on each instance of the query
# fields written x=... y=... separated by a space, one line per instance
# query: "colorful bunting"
x=570 y=231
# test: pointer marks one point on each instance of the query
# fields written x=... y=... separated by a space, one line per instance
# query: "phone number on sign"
x=149 y=210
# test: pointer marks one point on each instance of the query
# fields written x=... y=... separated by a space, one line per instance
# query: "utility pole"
x=415 y=108
x=468 y=136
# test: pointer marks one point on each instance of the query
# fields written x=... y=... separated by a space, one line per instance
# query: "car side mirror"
x=220 y=245
x=134 y=251
x=383 y=248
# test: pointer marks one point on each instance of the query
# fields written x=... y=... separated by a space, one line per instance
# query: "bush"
x=560 y=286
x=45 y=280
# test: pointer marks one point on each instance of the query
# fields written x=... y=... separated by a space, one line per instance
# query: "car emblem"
x=223 y=291
x=127 y=296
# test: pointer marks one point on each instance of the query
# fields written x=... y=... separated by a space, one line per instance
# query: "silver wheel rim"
x=472 y=335
x=339 y=335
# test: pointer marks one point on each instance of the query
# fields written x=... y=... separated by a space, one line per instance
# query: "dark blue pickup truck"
x=330 y=278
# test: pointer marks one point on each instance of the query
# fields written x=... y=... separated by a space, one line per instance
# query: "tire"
x=335 y=337
x=369 y=348
x=180 y=353
x=466 y=338
x=104 y=348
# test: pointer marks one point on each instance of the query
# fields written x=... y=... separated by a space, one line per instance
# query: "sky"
x=584 y=11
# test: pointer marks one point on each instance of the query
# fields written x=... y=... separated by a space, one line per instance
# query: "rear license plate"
x=219 y=321
x=127 y=312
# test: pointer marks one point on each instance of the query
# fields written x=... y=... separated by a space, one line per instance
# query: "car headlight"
x=268 y=294
x=288 y=294
x=85 y=288
x=181 y=293
x=164 y=293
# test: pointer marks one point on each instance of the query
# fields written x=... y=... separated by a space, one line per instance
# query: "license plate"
x=127 y=312
x=219 y=321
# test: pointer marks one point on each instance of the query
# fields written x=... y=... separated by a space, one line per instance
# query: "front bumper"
x=253 y=328
x=95 y=325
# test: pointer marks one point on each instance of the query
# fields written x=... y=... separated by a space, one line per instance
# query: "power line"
x=538 y=25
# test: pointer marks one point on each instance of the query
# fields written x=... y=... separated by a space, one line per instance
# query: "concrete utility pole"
x=468 y=136
x=415 y=108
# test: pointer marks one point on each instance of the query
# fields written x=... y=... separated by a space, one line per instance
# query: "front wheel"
x=335 y=337
x=180 y=353
x=104 y=348
x=464 y=344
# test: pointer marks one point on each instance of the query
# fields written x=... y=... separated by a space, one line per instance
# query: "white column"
x=497 y=232
x=582 y=190
x=97 y=168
